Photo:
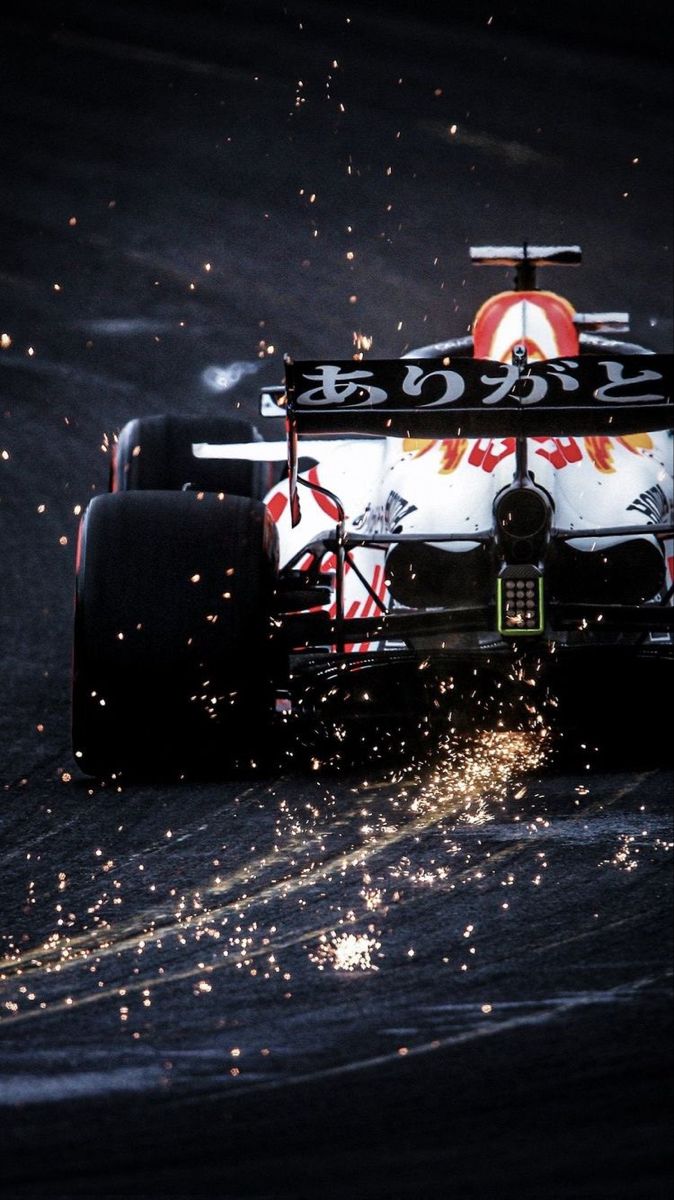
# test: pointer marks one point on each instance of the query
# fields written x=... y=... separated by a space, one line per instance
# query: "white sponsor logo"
x=336 y=386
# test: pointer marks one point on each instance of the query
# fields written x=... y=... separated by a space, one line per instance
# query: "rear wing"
x=470 y=397
x=525 y=259
x=452 y=397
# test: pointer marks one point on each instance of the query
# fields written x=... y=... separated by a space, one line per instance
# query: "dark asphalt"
x=450 y=978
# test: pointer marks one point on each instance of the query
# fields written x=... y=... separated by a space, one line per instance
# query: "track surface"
x=450 y=978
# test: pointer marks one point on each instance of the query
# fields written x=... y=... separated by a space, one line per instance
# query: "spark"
x=362 y=341
x=625 y=856
x=373 y=898
x=347 y=952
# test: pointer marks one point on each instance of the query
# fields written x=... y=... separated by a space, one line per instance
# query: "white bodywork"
x=391 y=485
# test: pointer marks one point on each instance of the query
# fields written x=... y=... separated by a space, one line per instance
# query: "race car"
x=426 y=522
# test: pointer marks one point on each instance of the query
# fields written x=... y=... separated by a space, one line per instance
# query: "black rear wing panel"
x=471 y=397
x=587 y=395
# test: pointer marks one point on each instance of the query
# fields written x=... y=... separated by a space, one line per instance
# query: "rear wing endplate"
x=452 y=397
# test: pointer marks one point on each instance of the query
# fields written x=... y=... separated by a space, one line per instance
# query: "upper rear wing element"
x=525 y=259
x=538 y=256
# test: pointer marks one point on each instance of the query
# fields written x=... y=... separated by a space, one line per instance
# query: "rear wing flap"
x=587 y=395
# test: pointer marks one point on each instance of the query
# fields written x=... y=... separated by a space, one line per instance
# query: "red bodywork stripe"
x=277 y=504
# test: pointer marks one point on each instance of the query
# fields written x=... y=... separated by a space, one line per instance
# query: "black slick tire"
x=173 y=663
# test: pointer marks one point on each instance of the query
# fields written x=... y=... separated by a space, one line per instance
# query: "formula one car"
x=481 y=501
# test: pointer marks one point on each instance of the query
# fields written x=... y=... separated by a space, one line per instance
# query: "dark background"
x=515 y=1039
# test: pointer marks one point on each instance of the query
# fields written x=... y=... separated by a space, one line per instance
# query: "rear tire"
x=173 y=663
x=155 y=453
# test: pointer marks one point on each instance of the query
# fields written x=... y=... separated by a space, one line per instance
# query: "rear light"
x=519 y=600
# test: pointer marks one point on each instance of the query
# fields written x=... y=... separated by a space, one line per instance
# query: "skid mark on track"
x=503 y=149
x=549 y=1011
x=365 y=851
x=486 y=772
x=437 y=805
x=233 y=961
x=145 y=56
